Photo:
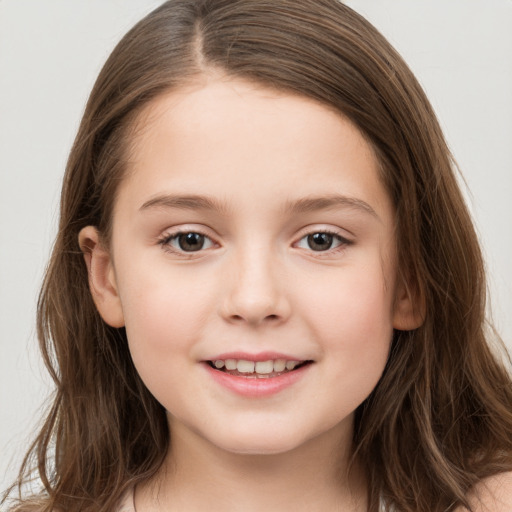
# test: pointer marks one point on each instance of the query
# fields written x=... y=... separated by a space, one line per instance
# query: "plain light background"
x=50 y=54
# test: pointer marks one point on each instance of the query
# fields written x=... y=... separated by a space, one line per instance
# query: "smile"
x=269 y=375
x=256 y=369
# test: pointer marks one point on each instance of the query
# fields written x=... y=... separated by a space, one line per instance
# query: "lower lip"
x=257 y=387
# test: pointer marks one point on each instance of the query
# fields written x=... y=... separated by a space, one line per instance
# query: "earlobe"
x=409 y=309
x=102 y=280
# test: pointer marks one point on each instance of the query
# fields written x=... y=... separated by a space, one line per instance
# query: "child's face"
x=252 y=175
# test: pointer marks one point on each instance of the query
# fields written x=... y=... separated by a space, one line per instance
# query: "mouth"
x=257 y=369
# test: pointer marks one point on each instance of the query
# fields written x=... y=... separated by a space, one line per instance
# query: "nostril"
x=256 y=320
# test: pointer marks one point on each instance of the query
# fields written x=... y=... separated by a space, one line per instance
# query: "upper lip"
x=260 y=356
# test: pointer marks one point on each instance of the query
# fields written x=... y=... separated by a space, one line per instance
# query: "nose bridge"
x=255 y=289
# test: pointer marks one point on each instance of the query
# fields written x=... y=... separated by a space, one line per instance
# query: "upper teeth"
x=261 y=367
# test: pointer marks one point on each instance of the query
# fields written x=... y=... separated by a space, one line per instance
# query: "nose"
x=255 y=291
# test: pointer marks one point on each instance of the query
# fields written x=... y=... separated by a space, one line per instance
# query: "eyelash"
x=343 y=242
x=166 y=240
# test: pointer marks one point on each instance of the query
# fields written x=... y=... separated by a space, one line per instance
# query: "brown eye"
x=320 y=241
x=189 y=241
x=323 y=241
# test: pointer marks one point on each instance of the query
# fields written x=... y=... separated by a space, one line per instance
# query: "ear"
x=102 y=279
x=409 y=308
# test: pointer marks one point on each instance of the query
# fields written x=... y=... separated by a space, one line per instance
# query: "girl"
x=266 y=291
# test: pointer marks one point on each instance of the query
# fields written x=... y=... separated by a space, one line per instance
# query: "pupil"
x=191 y=242
x=320 y=241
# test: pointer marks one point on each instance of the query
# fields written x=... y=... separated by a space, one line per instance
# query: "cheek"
x=164 y=311
x=164 y=318
x=353 y=318
x=356 y=300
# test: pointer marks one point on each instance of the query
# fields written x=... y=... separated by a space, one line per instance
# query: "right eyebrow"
x=190 y=202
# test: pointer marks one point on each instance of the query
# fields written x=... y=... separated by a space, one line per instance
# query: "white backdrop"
x=50 y=54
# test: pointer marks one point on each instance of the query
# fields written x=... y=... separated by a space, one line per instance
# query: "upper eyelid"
x=344 y=242
x=168 y=236
x=336 y=231
x=178 y=230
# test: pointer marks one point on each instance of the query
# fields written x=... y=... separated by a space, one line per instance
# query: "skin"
x=257 y=285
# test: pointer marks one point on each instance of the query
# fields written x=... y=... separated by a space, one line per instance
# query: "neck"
x=197 y=474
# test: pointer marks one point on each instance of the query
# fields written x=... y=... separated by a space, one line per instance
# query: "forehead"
x=225 y=135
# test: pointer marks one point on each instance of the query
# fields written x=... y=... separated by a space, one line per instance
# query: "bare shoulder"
x=494 y=494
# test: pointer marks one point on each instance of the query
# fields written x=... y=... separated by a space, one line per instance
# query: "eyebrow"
x=310 y=204
x=189 y=202
x=303 y=205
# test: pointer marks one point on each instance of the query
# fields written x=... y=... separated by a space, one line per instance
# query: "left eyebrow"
x=311 y=204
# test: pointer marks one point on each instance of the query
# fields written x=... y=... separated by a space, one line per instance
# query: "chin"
x=261 y=442
x=258 y=448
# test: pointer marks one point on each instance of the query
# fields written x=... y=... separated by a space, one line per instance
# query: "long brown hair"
x=440 y=418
